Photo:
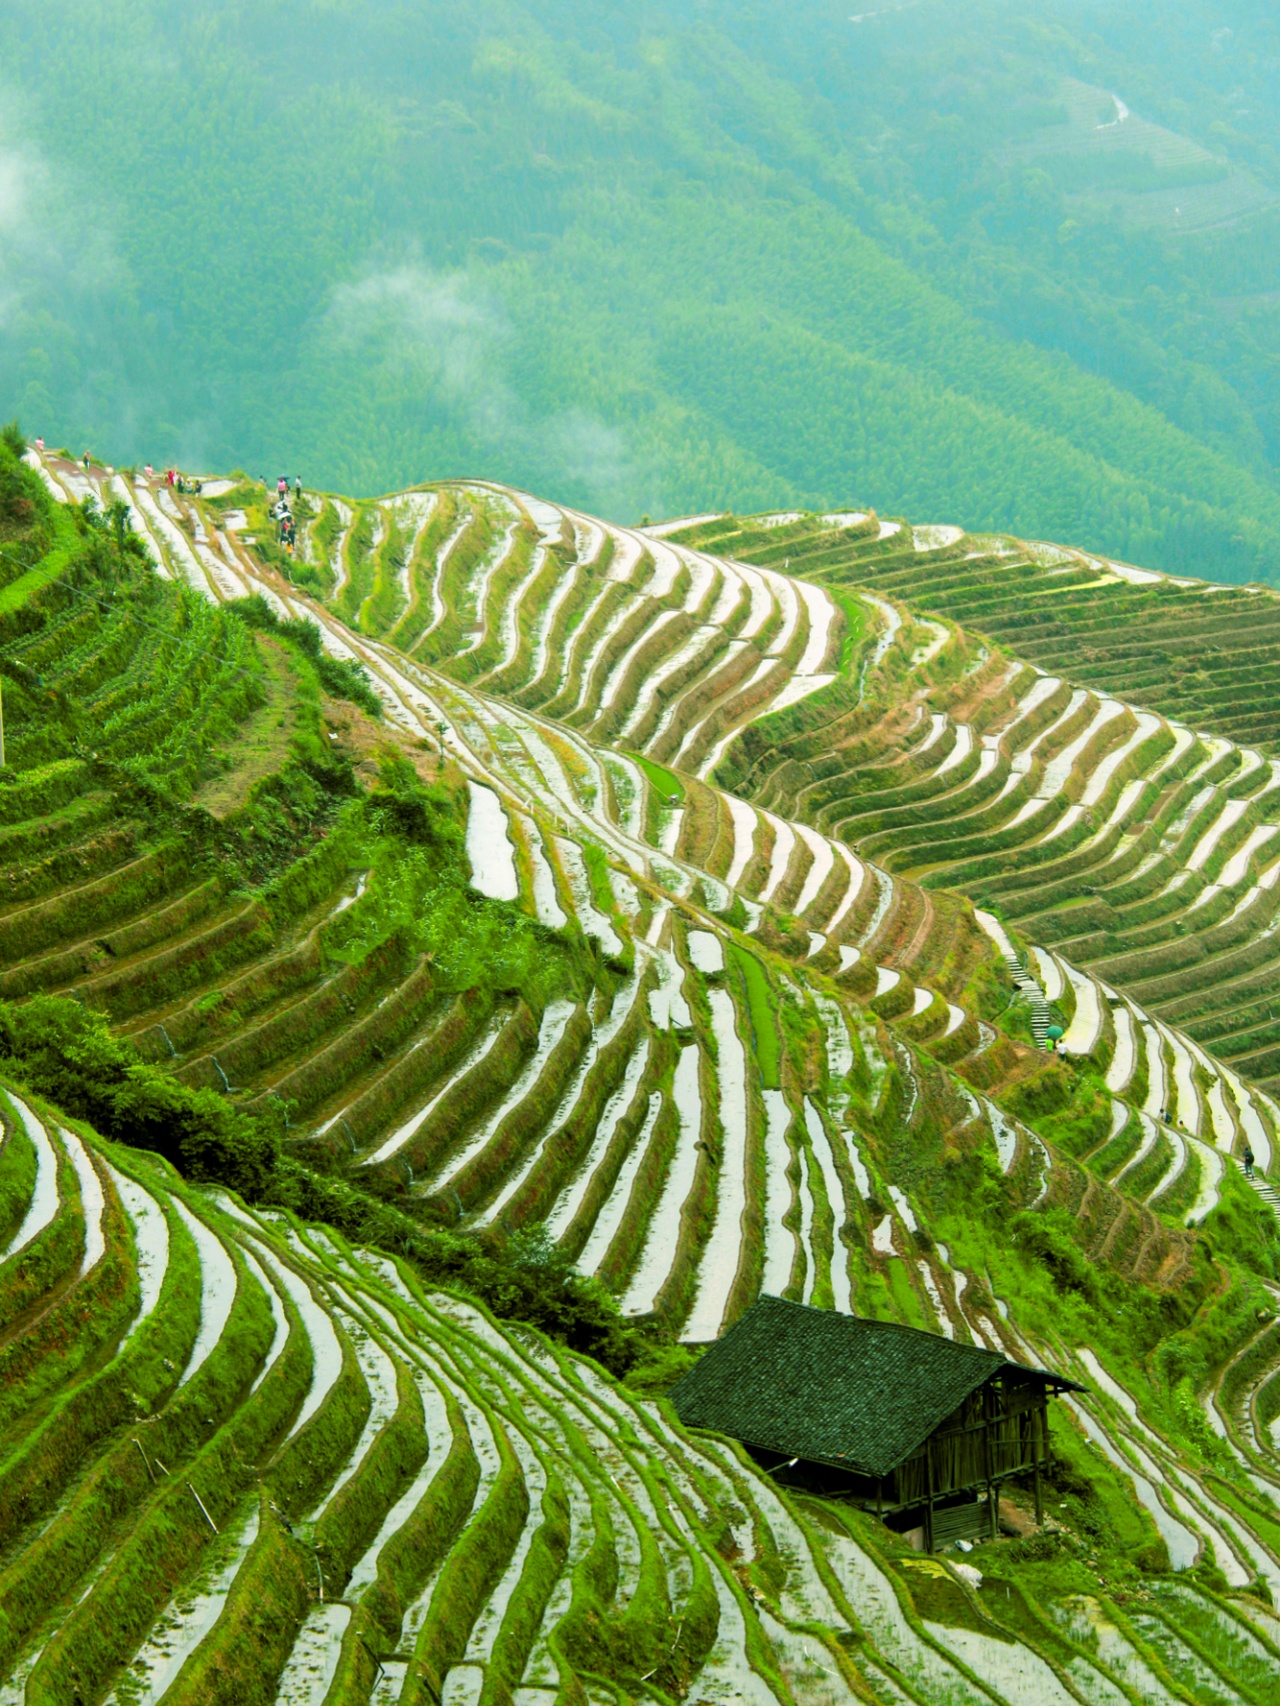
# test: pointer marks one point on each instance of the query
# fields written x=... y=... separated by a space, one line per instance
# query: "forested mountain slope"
x=1011 y=264
x=437 y=893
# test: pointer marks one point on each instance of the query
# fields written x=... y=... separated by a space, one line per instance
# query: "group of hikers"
x=281 y=510
x=172 y=478
x=176 y=482
x=282 y=514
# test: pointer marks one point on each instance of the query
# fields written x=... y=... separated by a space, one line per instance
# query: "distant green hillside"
x=1011 y=266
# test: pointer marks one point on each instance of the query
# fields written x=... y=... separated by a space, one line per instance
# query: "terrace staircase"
x=1267 y=1191
x=1025 y=984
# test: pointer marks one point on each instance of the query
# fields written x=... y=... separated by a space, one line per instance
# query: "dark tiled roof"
x=832 y=1388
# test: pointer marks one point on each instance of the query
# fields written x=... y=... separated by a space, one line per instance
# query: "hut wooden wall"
x=999 y=1430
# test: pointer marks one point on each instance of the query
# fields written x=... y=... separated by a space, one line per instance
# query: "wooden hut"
x=916 y=1427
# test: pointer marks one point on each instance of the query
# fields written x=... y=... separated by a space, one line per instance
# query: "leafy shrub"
x=70 y=1056
x=1048 y=1237
x=401 y=805
x=338 y=676
x=530 y=1278
x=22 y=499
x=1046 y=1091
x=110 y=536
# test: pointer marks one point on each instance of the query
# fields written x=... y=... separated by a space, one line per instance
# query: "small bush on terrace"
x=1049 y=1239
x=419 y=885
x=70 y=1056
x=400 y=804
x=338 y=676
x=24 y=507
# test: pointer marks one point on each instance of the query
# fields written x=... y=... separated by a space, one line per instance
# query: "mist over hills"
x=1008 y=266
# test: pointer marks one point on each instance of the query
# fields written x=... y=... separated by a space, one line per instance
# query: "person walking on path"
x=1248 y=1162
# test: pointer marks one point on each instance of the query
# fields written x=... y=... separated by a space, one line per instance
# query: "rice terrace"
x=456 y=962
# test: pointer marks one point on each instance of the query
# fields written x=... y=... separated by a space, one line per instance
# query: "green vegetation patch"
x=338 y=676
x=855 y=625
x=760 y=1005
x=420 y=885
x=665 y=781
x=47 y=570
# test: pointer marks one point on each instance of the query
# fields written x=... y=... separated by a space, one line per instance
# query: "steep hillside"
x=417 y=904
